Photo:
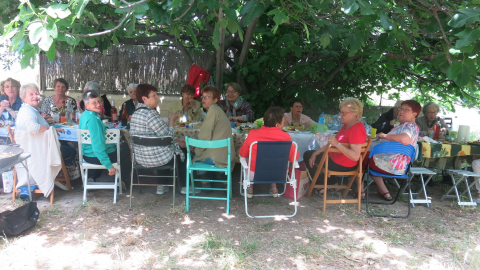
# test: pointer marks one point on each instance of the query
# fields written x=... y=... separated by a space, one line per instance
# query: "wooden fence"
x=161 y=66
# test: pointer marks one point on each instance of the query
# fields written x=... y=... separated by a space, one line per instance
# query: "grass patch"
x=397 y=237
x=267 y=227
x=53 y=211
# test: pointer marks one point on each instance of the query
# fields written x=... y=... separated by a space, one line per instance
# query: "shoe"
x=160 y=190
x=274 y=192
x=183 y=190
x=250 y=192
x=354 y=194
x=385 y=197
x=61 y=185
x=317 y=191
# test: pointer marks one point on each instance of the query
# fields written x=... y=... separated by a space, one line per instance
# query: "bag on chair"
x=12 y=223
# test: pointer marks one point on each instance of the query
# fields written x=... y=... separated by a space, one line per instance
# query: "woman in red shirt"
x=271 y=131
x=352 y=132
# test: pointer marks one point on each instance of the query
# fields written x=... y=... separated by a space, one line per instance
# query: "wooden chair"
x=323 y=168
x=65 y=177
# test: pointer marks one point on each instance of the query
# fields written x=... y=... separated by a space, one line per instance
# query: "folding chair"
x=356 y=172
x=420 y=172
x=200 y=166
x=272 y=166
x=391 y=147
x=462 y=176
x=112 y=136
x=164 y=141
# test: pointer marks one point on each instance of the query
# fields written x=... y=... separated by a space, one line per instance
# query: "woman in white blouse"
x=30 y=123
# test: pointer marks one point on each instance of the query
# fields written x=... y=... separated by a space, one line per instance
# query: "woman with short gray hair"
x=30 y=127
x=430 y=118
x=132 y=102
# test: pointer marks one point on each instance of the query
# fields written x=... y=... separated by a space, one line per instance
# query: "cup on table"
x=373 y=132
x=259 y=123
x=232 y=124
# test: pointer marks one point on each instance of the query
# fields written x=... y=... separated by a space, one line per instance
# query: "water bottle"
x=321 y=122
x=69 y=114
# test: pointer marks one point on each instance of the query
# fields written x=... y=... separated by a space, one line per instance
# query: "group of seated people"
x=146 y=121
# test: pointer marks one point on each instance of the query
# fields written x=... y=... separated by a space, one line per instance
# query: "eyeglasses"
x=231 y=92
x=344 y=113
x=399 y=108
x=206 y=97
x=404 y=110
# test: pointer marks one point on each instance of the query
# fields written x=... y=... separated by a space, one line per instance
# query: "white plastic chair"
x=112 y=136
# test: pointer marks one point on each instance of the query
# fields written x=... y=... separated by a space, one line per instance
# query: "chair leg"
x=115 y=189
x=119 y=172
x=131 y=186
x=324 y=193
x=85 y=183
x=66 y=176
x=51 y=195
x=14 y=190
x=187 y=195
x=314 y=181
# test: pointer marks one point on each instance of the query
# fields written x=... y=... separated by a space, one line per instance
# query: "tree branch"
x=129 y=5
x=106 y=31
x=189 y=7
x=334 y=71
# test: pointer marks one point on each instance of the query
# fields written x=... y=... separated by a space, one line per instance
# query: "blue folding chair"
x=200 y=166
x=391 y=147
x=271 y=168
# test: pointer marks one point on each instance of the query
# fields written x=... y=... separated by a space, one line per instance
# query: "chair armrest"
x=243 y=162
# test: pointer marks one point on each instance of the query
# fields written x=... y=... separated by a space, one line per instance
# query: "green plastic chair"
x=200 y=166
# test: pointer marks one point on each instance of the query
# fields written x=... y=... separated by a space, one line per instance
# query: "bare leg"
x=381 y=186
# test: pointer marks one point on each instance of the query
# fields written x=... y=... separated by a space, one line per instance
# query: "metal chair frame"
x=463 y=177
x=246 y=181
x=164 y=141
x=200 y=166
x=391 y=147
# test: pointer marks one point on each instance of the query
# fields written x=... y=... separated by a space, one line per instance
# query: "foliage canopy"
x=318 y=50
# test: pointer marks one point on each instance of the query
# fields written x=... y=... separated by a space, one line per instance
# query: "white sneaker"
x=183 y=190
x=61 y=185
x=161 y=190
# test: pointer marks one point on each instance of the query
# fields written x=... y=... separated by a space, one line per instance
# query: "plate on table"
x=57 y=126
x=182 y=124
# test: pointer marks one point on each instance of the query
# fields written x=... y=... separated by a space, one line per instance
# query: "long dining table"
x=446 y=155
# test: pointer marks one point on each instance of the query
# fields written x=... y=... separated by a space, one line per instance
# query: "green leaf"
x=466 y=17
x=475 y=2
x=297 y=50
x=251 y=10
x=115 y=40
x=51 y=12
x=441 y=62
x=349 y=6
x=366 y=11
x=386 y=22
x=175 y=3
x=34 y=31
x=461 y=72
x=383 y=42
x=324 y=41
x=90 y=16
x=81 y=4
x=52 y=30
x=51 y=53
x=90 y=41
x=467 y=36
x=279 y=16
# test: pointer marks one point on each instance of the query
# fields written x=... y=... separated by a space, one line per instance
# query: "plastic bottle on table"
x=321 y=122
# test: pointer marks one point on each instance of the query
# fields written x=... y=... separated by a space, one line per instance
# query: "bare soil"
x=154 y=235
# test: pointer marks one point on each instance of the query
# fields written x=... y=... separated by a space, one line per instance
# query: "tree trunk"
x=220 y=55
x=243 y=54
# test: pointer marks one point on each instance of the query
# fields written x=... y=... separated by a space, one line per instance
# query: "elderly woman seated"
x=131 y=104
x=187 y=108
x=430 y=118
x=10 y=100
x=146 y=121
x=55 y=102
x=236 y=108
x=98 y=152
x=271 y=131
x=216 y=126
x=352 y=132
x=36 y=137
x=295 y=116
x=105 y=106
x=406 y=133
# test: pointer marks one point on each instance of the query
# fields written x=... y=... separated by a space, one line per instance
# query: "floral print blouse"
x=397 y=163
x=46 y=109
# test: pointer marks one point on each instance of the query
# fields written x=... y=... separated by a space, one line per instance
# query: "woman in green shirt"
x=187 y=106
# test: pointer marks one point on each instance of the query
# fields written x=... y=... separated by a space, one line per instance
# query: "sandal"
x=354 y=194
x=317 y=191
x=250 y=192
x=384 y=196
x=274 y=192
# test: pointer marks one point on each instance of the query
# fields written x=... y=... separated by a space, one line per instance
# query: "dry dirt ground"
x=153 y=235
